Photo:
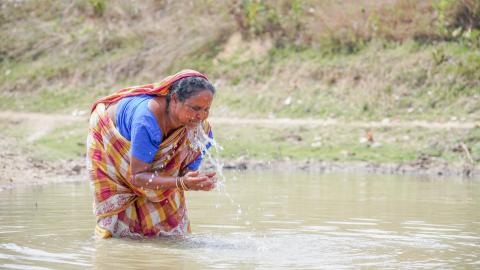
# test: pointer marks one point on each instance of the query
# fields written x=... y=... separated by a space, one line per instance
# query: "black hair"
x=188 y=87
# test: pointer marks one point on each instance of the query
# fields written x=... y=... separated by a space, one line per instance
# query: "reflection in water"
x=287 y=220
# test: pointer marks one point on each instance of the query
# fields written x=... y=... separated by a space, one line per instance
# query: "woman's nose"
x=202 y=116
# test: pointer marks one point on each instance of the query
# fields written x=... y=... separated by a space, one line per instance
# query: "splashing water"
x=200 y=141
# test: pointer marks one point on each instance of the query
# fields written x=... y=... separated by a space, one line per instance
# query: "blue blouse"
x=137 y=124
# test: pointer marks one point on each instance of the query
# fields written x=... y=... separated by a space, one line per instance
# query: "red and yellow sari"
x=123 y=210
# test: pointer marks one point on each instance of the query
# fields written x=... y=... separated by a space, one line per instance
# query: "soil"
x=425 y=166
x=19 y=168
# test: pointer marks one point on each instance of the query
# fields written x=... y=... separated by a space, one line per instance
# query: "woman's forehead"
x=200 y=98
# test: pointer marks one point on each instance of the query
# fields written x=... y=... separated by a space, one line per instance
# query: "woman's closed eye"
x=198 y=108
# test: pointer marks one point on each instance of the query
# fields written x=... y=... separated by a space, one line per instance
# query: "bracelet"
x=182 y=183
x=176 y=182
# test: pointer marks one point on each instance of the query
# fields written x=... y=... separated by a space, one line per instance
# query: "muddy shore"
x=423 y=166
x=19 y=169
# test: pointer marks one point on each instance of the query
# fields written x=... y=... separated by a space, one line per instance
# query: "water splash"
x=210 y=149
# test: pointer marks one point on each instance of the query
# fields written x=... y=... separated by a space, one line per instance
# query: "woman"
x=143 y=153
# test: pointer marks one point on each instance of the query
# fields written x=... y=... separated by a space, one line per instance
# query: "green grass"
x=339 y=143
x=64 y=142
x=58 y=64
x=48 y=101
x=397 y=81
x=330 y=143
x=15 y=129
x=409 y=80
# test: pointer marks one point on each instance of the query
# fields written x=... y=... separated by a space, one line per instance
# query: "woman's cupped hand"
x=196 y=180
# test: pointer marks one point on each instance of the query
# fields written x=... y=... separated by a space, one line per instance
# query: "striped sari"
x=121 y=209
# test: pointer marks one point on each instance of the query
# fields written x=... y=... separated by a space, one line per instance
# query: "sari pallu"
x=123 y=210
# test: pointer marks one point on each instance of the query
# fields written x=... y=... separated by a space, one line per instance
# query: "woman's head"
x=189 y=100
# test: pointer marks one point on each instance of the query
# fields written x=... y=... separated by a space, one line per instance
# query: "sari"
x=122 y=209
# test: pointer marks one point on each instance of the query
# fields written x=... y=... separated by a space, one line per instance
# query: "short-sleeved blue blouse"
x=137 y=124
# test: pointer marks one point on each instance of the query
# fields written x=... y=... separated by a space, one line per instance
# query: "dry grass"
x=75 y=47
x=348 y=59
x=397 y=20
x=334 y=24
x=71 y=52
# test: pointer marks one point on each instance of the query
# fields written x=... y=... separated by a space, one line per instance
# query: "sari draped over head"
x=122 y=209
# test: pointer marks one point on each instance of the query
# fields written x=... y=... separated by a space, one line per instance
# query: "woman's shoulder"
x=157 y=104
x=145 y=119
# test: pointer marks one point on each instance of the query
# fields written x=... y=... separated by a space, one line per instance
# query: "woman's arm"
x=143 y=177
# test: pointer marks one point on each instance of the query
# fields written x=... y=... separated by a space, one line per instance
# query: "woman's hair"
x=188 y=87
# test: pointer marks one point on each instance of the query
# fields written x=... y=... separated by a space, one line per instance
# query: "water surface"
x=262 y=220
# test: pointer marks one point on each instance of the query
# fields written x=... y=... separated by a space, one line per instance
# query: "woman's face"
x=193 y=110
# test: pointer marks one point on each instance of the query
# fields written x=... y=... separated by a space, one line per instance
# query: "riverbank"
x=421 y=167
x=388 y=87
x=19 y=168
x=42 y=148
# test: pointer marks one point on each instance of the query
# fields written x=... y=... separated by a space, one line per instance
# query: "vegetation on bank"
x=399 y=59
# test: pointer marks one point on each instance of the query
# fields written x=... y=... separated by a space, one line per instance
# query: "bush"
x=280 y=20
x=460 y=20
x=347 y=24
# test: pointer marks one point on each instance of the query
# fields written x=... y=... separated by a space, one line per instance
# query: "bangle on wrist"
x=177 y=179
x=182 y=183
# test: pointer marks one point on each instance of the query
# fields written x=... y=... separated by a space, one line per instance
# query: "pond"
x=261 y=220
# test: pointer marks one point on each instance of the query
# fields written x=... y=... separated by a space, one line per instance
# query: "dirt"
x=425 y=166
x=19 y=168
x=43 y=123
x=282 y=122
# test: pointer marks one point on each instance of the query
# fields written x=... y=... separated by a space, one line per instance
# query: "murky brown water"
x=269 y=220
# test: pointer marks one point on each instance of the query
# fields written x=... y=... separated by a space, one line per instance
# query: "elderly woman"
x=142 y=154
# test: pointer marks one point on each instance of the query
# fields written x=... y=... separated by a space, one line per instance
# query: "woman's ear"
x=174 y=98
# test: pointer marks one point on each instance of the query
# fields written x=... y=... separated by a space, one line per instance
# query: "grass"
x=48 y=101
x=64 y=142
x=398 y=81
x=340 y=143
x=329 y=143
x=77 y=57
x=300 y=59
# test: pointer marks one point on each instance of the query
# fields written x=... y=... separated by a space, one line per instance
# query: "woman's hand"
x=200 y=181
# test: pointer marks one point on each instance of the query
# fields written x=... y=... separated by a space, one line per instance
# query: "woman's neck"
x=165 y=118
x=170 y=123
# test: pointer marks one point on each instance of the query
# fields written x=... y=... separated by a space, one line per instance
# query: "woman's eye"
x=198 y=108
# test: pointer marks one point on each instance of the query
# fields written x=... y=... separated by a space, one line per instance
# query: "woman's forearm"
x=152 y=181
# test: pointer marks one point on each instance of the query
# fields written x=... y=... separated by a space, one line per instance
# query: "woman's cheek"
x=187 y=117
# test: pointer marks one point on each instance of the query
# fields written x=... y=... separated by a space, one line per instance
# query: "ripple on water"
x=29 y=256
x=321 y=223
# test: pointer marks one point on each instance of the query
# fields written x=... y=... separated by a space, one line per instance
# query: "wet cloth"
x=121 y=209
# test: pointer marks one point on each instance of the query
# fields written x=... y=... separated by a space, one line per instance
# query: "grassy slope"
x=65 y=55
x=400 y=81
